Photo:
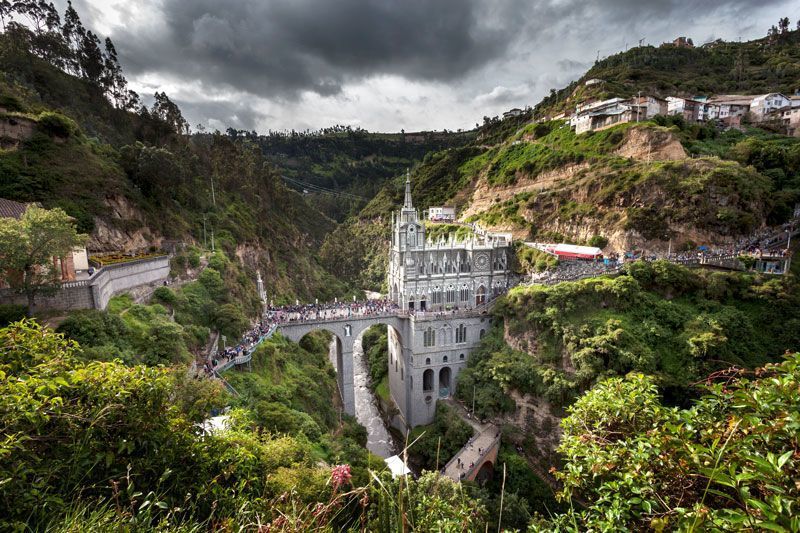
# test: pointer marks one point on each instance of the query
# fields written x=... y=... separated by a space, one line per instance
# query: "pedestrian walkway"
x=480 y=449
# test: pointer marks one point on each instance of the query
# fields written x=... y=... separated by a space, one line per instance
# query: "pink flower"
x=340 y=475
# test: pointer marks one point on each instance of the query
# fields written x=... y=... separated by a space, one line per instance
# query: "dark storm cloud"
x=223 y=58
x=280 y=47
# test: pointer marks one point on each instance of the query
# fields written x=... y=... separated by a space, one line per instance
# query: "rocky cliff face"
x=642 y=193
x=123 y=229
x=649 y=144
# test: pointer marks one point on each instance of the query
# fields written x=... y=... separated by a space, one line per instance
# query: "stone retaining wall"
x=95 y=293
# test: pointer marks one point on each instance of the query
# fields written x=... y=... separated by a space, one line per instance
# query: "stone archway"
x=485 y=473
x=427 y=380
x=444 y=382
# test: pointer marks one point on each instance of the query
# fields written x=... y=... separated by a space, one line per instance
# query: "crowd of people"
x=771 y=242
x=330 y=311
x=573 y=270
x=274 y=316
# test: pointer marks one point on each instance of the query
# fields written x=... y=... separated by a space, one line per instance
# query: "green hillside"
x=719 y=67
x=132 y=179
x=345 y=160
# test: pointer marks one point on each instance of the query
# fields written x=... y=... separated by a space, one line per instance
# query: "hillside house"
x=691 y=110
x=683 y=42
x=728 y=109
x=597 y=115
x=764 y=104
x=68 y=267
x=441 y=214
x=790 y=119
x=515 y=112
x=649 y=106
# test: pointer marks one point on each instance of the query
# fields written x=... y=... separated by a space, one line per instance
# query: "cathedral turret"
x=408 y=214
x=407 y=204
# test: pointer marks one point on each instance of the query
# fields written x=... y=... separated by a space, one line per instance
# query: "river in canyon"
x=379 y=440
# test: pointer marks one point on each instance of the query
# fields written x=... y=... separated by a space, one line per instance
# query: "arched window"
x=429 y=337
x=451 y=295
x=461 y=334
x=444 y=382
x=482 y=334
x=461 y=357
x=444 y=359
x=427 y=380
x=480 y=296
x=436 y=296
x=446 y=336
x=464 y=294
x=427 y=360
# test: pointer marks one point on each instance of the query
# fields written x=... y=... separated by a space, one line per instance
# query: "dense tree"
x=168 y=112
x=28 y=247
x=728 y=463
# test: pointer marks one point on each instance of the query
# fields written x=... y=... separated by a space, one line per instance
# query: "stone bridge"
x=477 y=459
x=427 y=351
x=345 y=331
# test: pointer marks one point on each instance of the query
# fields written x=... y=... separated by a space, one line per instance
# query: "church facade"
x=445 y=285
x=446 y=274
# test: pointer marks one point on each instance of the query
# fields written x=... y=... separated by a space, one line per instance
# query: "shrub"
x=57 y=125
x=165 y=295
x=11 y=313
x=598 y=241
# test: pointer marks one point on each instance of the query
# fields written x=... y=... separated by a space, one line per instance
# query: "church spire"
x=407 y=204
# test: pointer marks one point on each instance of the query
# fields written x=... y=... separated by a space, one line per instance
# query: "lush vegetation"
x=99 y=154
x=353 y=163
x=439 y=441
x=29 y=246
x=436 y=231
x=174 y=325
x=530 y=259
x=101 y=445
x=665 y=320
x=728 y=463
x=375 y=343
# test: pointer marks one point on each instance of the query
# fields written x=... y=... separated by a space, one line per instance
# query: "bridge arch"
x=346 y=331
x=485 y=472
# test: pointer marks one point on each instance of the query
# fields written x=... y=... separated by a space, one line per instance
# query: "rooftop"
x=11 y=209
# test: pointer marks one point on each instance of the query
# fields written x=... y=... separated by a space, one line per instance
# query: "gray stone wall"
x=114 y=279
x=97 y=291
x=445 y=357
x=69 y=298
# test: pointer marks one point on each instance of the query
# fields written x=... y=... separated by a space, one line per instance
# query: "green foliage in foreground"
x=101 y=445
x=277 y=390
x=728 y=463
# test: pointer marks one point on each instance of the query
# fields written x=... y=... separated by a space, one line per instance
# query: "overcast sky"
x=388 y=65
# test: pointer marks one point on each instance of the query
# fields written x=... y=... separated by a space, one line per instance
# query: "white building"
x=728 y=108
x=442 y=214
x=764 y=104
x=447 y=274
x=513 y=113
